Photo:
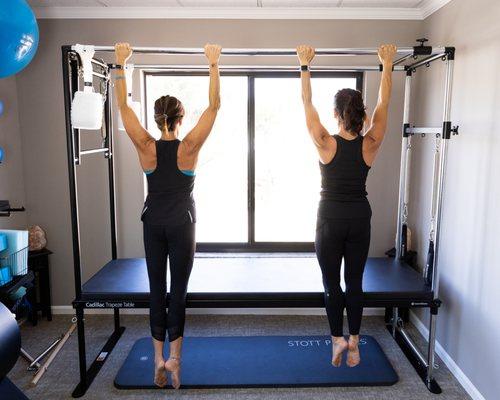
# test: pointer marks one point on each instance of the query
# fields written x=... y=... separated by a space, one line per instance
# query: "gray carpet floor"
x=62 y=376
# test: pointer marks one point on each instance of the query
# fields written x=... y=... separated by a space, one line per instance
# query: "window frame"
x=251 y=245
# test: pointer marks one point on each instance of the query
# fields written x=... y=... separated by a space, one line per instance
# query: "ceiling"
x=246 y=9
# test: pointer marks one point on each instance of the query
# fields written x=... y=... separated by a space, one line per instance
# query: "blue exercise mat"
x=260 y=361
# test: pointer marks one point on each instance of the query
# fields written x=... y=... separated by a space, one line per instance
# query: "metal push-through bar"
x=424 y=130
x=402 y=59
x=264 y=52
x=94 y=151
x=428 y=60
x=416 y=351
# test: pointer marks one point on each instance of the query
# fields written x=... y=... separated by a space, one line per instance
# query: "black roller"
x=429 y=267
x=404 y=241
x=10 y=341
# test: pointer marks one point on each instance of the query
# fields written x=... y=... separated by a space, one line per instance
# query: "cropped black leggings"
x=178 y=244
x=349 y=239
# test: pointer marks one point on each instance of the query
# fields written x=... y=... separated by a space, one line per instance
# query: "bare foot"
x=339 y=346
x=173 y=365
x=353 y=357
x=160 y=374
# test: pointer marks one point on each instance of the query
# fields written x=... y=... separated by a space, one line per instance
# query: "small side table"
x=38 y=262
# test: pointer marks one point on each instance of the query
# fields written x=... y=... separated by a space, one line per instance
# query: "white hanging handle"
x=129 y=72
x=86 y=53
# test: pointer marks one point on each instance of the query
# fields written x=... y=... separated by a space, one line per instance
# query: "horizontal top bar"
x=261 y=52
x=263 y=68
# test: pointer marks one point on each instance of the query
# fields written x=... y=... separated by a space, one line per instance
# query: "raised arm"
x=320 y=136
x=375 y=134
x=139 y=136
x=194 y=140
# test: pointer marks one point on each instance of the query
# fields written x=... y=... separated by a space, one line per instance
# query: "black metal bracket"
x=406 y=130
x=381 y=67
x=449 y=130
x=434 y=307
x=450 y=52
x=6 y=209
x=422 y=49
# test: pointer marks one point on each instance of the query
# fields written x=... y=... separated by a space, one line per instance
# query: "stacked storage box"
x=13 y=254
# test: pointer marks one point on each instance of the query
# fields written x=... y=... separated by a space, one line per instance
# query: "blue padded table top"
x=384 y=278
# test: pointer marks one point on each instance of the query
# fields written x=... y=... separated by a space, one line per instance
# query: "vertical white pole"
x=404 y=168
x=438 y=209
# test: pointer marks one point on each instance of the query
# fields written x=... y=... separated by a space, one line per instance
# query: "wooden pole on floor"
x=53 y=355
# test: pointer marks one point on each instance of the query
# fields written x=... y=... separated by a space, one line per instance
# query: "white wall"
x=469 y=321
x=11 y=170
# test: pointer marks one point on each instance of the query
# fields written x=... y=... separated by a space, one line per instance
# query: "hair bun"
x=351 y=109
x=168 y=111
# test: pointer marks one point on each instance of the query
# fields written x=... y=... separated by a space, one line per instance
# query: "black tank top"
x=170 y=192
x=343 y=182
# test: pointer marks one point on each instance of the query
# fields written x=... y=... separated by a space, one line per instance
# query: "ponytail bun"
x=168 y=112
x=351 y=110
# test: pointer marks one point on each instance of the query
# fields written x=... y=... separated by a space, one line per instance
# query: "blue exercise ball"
x=1 y=108
x=18 y=36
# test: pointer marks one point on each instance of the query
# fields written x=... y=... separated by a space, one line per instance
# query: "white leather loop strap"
x=129 y=72
x=86 y=53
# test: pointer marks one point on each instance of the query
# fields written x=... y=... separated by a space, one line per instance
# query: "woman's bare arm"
x=375 y=134
x=194 y=140
x=139 y=136
x=321 y=138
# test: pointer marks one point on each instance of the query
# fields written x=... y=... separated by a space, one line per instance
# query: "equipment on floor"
x=14 y=279
x=259 y=361
x=53 y=350
x=87 y=105
x=18 y=36
x=388 y=282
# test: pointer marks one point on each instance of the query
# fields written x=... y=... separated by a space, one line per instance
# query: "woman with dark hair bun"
x=344 y=214
x=169 y=212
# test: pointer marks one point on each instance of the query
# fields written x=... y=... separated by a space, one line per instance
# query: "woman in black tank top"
x=344 y=213
x=169 y=211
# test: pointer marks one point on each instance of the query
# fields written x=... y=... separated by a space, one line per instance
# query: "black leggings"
x=339 y=238
x=178 y=244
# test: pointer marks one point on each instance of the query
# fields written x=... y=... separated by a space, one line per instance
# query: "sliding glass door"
x=221 y=175
x=258 y=182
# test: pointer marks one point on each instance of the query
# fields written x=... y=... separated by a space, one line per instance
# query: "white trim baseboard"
x=68 y=310
x=144 y=12
x=450 y=363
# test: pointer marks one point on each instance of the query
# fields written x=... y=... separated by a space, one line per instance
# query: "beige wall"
x=469 y=322
x=44 y=142
x=11 y=170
